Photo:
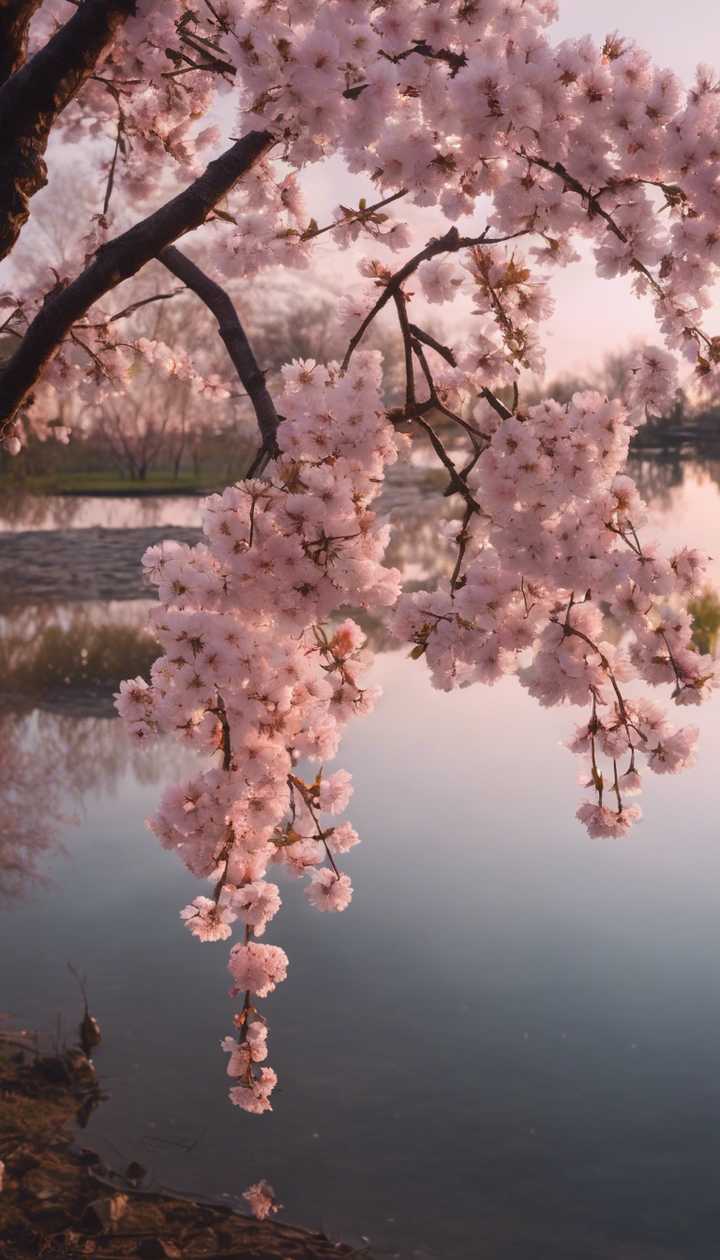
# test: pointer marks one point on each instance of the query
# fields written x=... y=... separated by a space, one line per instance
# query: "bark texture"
x=34 y=96
x=15 y=18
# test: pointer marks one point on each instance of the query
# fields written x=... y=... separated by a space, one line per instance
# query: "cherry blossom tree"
x=493 y=154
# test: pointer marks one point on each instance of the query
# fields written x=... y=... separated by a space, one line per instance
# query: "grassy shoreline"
x=101 y=485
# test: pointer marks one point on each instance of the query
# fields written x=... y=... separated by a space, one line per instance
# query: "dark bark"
x=36 y=94
x=234 y=337
x=15 y=18
x=117 y=261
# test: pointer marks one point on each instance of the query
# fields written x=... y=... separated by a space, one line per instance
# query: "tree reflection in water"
x=657 y=475
x=23 y=510
x=59 y=667
x=661 y=475
x=32 y=803
x=79 y=651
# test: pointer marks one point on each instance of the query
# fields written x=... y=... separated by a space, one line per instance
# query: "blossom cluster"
x=257 y=675
x=261 y=1200
x=141 y=94
x=573 y=143
x=554 y=583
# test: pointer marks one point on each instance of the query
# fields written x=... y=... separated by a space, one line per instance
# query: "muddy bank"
x=60 y=1201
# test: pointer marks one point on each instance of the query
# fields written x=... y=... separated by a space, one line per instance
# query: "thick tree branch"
x=117 y=261
x=233 y=335
x=15 y=16
x=36 y=94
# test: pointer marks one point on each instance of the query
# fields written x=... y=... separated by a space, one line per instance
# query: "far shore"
x=95 y=485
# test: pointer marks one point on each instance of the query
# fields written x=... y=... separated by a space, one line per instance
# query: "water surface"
x=506 y=1048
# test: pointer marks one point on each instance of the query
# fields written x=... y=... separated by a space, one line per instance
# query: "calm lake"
x=506 y=1049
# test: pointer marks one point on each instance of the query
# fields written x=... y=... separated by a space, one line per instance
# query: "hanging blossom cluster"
x=553 y=582
x=255 y=676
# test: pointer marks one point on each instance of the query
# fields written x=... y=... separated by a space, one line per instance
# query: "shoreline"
x=61 y=1201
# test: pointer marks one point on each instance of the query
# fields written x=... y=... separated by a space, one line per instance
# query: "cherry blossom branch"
x=570 y=630
x=458 y=483
x=454 y=60
x=117 y=261
x=444 y=351
x=595 y=208
x=32 y=99
x=450 y=243
x=448 y=355
x=136 y=306
x=477 y=437
x=362 y=215
x=234 y=337
x=463 y=538
x=591 y=199
x=241 y=1020
x=306 y=792
x=400 y=300
x=204 y=48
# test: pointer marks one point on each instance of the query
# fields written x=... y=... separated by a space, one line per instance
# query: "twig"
x=450 y=243
x=113 y=164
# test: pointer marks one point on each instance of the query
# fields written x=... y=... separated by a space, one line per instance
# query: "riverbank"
x=60 y=1200
x=101 y=484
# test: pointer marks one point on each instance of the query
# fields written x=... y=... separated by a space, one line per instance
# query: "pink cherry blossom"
x=261 y=1198
x=328 y=891
x=257 y=969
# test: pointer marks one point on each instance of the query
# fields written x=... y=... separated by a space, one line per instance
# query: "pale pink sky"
x=592 y=316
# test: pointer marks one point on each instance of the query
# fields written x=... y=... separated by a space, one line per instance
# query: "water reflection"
x=33 y=803
x=72 y=657
x=50 y=761
x=59 y=667
x=665 y=476
x=657 y=475
x=20 y=510
x=513 y=1055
